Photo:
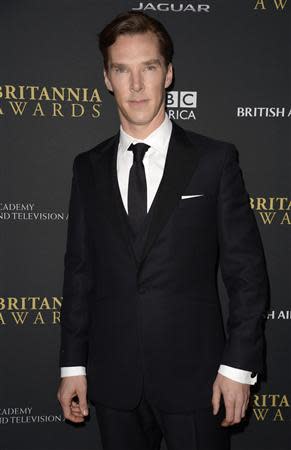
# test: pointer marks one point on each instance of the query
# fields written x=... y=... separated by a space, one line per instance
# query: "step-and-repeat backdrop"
x=231 y=82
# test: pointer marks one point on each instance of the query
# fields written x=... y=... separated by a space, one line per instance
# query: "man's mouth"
x=140 y=102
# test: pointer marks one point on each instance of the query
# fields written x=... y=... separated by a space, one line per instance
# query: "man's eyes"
x=125 y=70
x=120 y=69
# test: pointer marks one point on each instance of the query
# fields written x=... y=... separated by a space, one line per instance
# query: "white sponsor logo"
x=283 y=314
x=193 y=7
x=180 y=104
x=263 y=111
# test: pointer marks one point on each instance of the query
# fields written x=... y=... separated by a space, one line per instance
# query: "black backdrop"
x=232 y=61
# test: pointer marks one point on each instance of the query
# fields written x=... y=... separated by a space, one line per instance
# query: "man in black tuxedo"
x=153 y=212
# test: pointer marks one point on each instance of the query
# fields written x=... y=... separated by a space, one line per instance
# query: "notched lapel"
x=181 y=162
x=108 y=198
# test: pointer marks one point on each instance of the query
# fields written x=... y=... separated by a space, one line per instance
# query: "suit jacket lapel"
x=108 y=196
x=181 y=161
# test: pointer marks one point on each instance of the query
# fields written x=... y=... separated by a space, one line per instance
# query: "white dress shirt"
x=154 y=162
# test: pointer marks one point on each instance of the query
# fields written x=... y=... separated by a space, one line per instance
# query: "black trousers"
x=144 y=427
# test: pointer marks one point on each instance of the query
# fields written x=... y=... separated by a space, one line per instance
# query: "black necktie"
x=137 y=187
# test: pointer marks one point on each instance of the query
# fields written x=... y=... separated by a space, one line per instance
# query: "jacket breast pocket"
x=192 y=202
x=195 y=211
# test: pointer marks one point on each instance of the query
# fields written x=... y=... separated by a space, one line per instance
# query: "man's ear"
x=169 y=76
x=107 y=81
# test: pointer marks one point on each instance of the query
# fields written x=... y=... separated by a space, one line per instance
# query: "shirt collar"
x=158 y=139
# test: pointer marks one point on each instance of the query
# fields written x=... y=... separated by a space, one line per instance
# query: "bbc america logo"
x=180 y=104
x=182 y=99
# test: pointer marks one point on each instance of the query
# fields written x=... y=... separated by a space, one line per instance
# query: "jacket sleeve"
x=243 y=270
x=77 y=282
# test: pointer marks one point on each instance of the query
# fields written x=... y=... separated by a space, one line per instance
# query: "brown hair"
x=135 y=22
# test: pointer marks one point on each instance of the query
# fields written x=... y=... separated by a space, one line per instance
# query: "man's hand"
x=236 y=398
x=69 y=388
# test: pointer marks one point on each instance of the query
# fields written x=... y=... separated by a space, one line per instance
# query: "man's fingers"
x=83 y=402
x=235 y=410
x=69 y=415
x=238 y=410
x=76 y=410
x=244 y=409
x=245 y=406
x=216 y=399
x=77 y=413
x=229 y=413
x=66 y=410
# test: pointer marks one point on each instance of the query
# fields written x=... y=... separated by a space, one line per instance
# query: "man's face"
x=137 y=76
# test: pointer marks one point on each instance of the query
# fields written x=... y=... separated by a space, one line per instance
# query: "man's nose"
x=136 y=83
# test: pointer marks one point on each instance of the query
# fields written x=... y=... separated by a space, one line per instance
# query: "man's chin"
x=140 y=119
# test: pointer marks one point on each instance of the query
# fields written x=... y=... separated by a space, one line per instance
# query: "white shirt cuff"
x=242 y=376
x=73 y=371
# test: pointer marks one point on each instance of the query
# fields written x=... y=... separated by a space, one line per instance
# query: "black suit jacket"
x=159 y=317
